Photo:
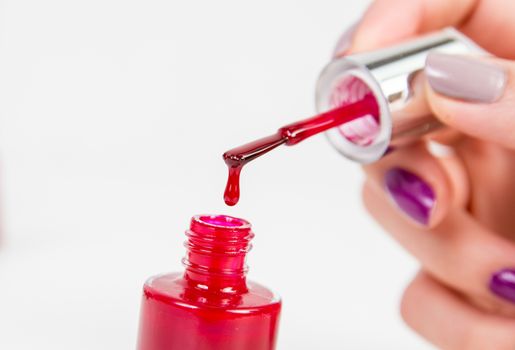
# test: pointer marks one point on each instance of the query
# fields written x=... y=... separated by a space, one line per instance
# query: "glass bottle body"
x=211 y=305
x=175 y=315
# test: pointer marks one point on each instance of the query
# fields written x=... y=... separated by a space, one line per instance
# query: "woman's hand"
x=450 y=199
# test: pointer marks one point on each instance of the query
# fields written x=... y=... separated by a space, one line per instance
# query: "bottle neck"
x=217 y=246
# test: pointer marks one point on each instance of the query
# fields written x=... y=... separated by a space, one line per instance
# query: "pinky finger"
x=450 y=323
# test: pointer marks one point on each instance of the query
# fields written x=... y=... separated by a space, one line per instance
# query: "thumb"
x=475 y=95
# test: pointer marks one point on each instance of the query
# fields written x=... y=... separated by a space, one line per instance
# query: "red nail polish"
x=211 y=305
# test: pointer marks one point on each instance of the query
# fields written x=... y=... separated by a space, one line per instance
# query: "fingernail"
x=344 y=43
x=502 y=284
x=411 y=194
x=465 y=78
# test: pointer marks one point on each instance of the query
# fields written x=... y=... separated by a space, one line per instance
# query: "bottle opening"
x=364 y=130
x=222 y=221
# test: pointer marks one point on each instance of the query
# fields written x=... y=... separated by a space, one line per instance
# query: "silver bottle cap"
x=393 y=76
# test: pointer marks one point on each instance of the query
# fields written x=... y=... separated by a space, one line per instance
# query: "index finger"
x=390 y=21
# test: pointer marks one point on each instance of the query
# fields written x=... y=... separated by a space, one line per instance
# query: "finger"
x=459 y=252
x=423 y=187
x=445 y=136
x=443 y=318
x=491 y=182
x=390 y=21
x=473 y=95
x=491 y=25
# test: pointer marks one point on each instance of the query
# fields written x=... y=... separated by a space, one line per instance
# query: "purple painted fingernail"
x=502 y=284
x=345 y=41
x=411 y=194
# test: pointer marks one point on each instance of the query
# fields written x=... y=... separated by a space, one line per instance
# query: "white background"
x=114 y=115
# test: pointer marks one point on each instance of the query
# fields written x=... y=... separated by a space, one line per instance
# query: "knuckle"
x=489 y=335
x=408 y=304
x=367 y=196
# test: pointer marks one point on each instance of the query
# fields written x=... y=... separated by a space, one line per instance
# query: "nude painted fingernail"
x=465 y=78
x=411 y=194
x=344 y=43
x=502 y=284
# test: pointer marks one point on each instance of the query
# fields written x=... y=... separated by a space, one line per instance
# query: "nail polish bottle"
x=211 y=305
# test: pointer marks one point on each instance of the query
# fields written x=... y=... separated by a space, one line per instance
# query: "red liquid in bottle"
x=290 y=135
x=211 y=305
